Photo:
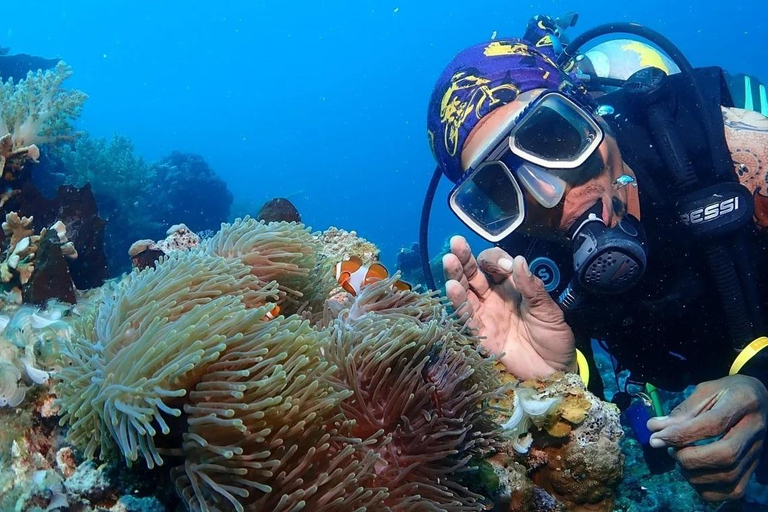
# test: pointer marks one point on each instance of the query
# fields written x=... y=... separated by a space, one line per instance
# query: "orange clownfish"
x=352 y=275
x=272 y=314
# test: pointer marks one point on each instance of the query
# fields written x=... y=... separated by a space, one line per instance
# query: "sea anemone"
x=285 y=252
x=153 y=336
x=422 y=388
x=266 y=431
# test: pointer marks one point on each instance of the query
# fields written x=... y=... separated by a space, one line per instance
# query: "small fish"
x=624 y=180
x=352 y=275
x=273 y=312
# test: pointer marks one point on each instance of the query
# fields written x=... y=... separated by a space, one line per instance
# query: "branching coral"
x=152 y=339
x=37 y=110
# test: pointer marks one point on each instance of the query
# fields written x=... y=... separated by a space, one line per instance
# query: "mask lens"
x=489 y=201
x=556 y=133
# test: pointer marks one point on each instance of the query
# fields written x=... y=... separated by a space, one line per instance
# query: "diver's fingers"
x=531 y=288
x=730 y=453
x=702 y=399
x=453 y=270
x=723 y=492
x=463 y=302
x=496 y=263
x=476 y=280
x=711 y=423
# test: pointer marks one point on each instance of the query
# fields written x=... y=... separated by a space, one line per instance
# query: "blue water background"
x=322 y=102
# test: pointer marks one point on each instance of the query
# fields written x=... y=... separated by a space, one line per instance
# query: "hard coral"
x=580 y=465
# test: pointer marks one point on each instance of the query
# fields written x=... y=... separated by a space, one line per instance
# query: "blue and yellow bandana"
x=481 y=79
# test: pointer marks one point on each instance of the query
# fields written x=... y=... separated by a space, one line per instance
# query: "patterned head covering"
x=481 y=79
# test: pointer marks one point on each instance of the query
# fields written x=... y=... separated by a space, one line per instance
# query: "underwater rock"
x=89 y=481
x=577 y=457
x=187 y=189
x=76 y=208
x=145 y=253
x=278 y=209
x=51 y=278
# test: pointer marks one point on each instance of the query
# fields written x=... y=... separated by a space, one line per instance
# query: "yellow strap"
x=748 y=353
x=581 y=361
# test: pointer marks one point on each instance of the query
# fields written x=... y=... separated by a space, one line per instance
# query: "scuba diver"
x=626 y=205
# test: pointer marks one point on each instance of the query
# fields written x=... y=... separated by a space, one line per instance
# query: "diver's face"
x=592 y=183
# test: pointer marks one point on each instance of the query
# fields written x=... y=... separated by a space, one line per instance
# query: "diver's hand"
x=509 y=307
x=733 y=407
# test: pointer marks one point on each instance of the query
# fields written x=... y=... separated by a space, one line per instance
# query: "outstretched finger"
x=464 y=303
x=475 y=279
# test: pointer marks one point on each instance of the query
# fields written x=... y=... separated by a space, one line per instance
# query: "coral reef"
x=35 y=268
x=37 y=110
x=76 y=208
x=139 y=199
x=265 y=399
x=577 y=455
x=379 y=401
x=145 y=253
x=337 y=244
x=122 y=185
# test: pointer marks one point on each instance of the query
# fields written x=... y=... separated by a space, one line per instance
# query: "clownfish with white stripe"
x=352 y=275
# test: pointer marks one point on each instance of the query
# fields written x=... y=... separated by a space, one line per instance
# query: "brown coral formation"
x=37 y=264
x=145 y=253
x=577 y=458
x=12 y=160
x=338 y=244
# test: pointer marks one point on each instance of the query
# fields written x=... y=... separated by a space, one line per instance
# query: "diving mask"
x=536 y=150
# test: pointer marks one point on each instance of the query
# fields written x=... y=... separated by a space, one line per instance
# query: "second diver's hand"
x=510 y=309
